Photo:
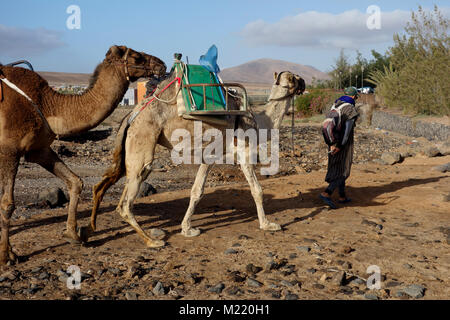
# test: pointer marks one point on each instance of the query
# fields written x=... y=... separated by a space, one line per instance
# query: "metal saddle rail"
x=13 y=64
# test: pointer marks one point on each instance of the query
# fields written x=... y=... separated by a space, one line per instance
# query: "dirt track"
x=398 y=220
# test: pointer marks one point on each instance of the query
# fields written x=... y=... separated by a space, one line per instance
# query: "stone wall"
x=410 y=127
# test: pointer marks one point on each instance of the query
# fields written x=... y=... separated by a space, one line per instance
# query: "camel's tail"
x=113 y=173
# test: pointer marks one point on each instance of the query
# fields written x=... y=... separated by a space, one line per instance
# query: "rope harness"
x=297 y=89
x=124 y=62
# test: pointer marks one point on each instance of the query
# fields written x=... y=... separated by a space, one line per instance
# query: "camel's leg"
x=8 y=170
x=138 y=166
x=99 y=191
x=257 y=193
x=196 y=195
x=125 y=206
x=49 y=160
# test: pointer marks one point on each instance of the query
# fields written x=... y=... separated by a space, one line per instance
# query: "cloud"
x=15 y=42
x=326 y=30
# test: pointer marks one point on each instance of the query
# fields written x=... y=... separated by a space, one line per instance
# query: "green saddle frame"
x=199 y=98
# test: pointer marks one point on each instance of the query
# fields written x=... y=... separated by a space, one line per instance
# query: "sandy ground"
x=398 y=220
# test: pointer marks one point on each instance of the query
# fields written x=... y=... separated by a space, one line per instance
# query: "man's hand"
x=334 y=150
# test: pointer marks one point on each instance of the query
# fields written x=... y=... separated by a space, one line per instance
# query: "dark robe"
x=339 y=165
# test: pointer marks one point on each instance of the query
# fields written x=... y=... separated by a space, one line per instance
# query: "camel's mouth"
x=160 y=71
x=158 y=68
x=300 y=85
x=151 y=66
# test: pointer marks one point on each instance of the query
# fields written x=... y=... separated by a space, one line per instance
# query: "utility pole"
x=350 y=76
x=362 y=76
x=336 y=80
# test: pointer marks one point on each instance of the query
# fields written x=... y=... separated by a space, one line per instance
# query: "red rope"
x=178 y=79
x=148 y=95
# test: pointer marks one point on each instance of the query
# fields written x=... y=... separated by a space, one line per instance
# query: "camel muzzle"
x=301 y=85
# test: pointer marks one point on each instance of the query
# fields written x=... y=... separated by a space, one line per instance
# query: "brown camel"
x=28 y=128
x=136 y=142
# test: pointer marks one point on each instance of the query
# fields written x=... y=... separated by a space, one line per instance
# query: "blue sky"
x=306 y=32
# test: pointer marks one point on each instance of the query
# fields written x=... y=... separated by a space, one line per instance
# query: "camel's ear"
x=275 y=75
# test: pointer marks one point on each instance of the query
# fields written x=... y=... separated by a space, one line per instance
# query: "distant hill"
x=261 y=71
x=61 y=78
x=64 y=78
x=256 y=72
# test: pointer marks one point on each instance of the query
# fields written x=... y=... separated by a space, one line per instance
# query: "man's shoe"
x=328 y=201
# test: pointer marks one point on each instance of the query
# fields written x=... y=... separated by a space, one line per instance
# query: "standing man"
x=340 y=155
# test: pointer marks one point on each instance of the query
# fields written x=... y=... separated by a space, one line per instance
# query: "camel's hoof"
x=155 y=243
x=12 y=256
x=84 y=233
x=8 y=258
x=3 y=259
x=71 y=237
x=271 y=227
x=192 y=232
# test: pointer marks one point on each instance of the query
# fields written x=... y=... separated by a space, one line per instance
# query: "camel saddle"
x=203 y=97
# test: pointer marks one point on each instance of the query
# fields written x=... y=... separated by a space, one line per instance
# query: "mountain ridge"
x=255 y=71
x=261 y=71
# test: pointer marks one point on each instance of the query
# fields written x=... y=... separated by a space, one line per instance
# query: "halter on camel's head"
x=287 y=86
x=136 y=64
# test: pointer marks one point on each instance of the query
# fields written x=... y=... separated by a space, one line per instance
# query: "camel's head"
x=136 y=64
x=286 y=84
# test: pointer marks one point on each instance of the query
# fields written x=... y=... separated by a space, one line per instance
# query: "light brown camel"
x=29 y=128
x=135 y=147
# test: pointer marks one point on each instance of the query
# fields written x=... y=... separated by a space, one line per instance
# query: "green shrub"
x=315 y=101
x=418 y=77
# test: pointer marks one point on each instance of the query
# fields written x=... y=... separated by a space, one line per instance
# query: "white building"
x=129 y=98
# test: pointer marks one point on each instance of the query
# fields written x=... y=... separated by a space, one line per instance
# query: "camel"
x=31 y=121
x=135 y=147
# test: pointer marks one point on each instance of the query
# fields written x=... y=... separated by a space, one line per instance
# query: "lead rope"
x=155 y=96
x=174 y=98
x=292 y=127
x=176 y=94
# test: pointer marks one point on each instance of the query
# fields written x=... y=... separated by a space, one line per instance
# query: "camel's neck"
x=70 y=114
x=273 y=114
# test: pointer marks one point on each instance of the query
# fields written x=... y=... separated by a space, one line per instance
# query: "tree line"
x=413 y=74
